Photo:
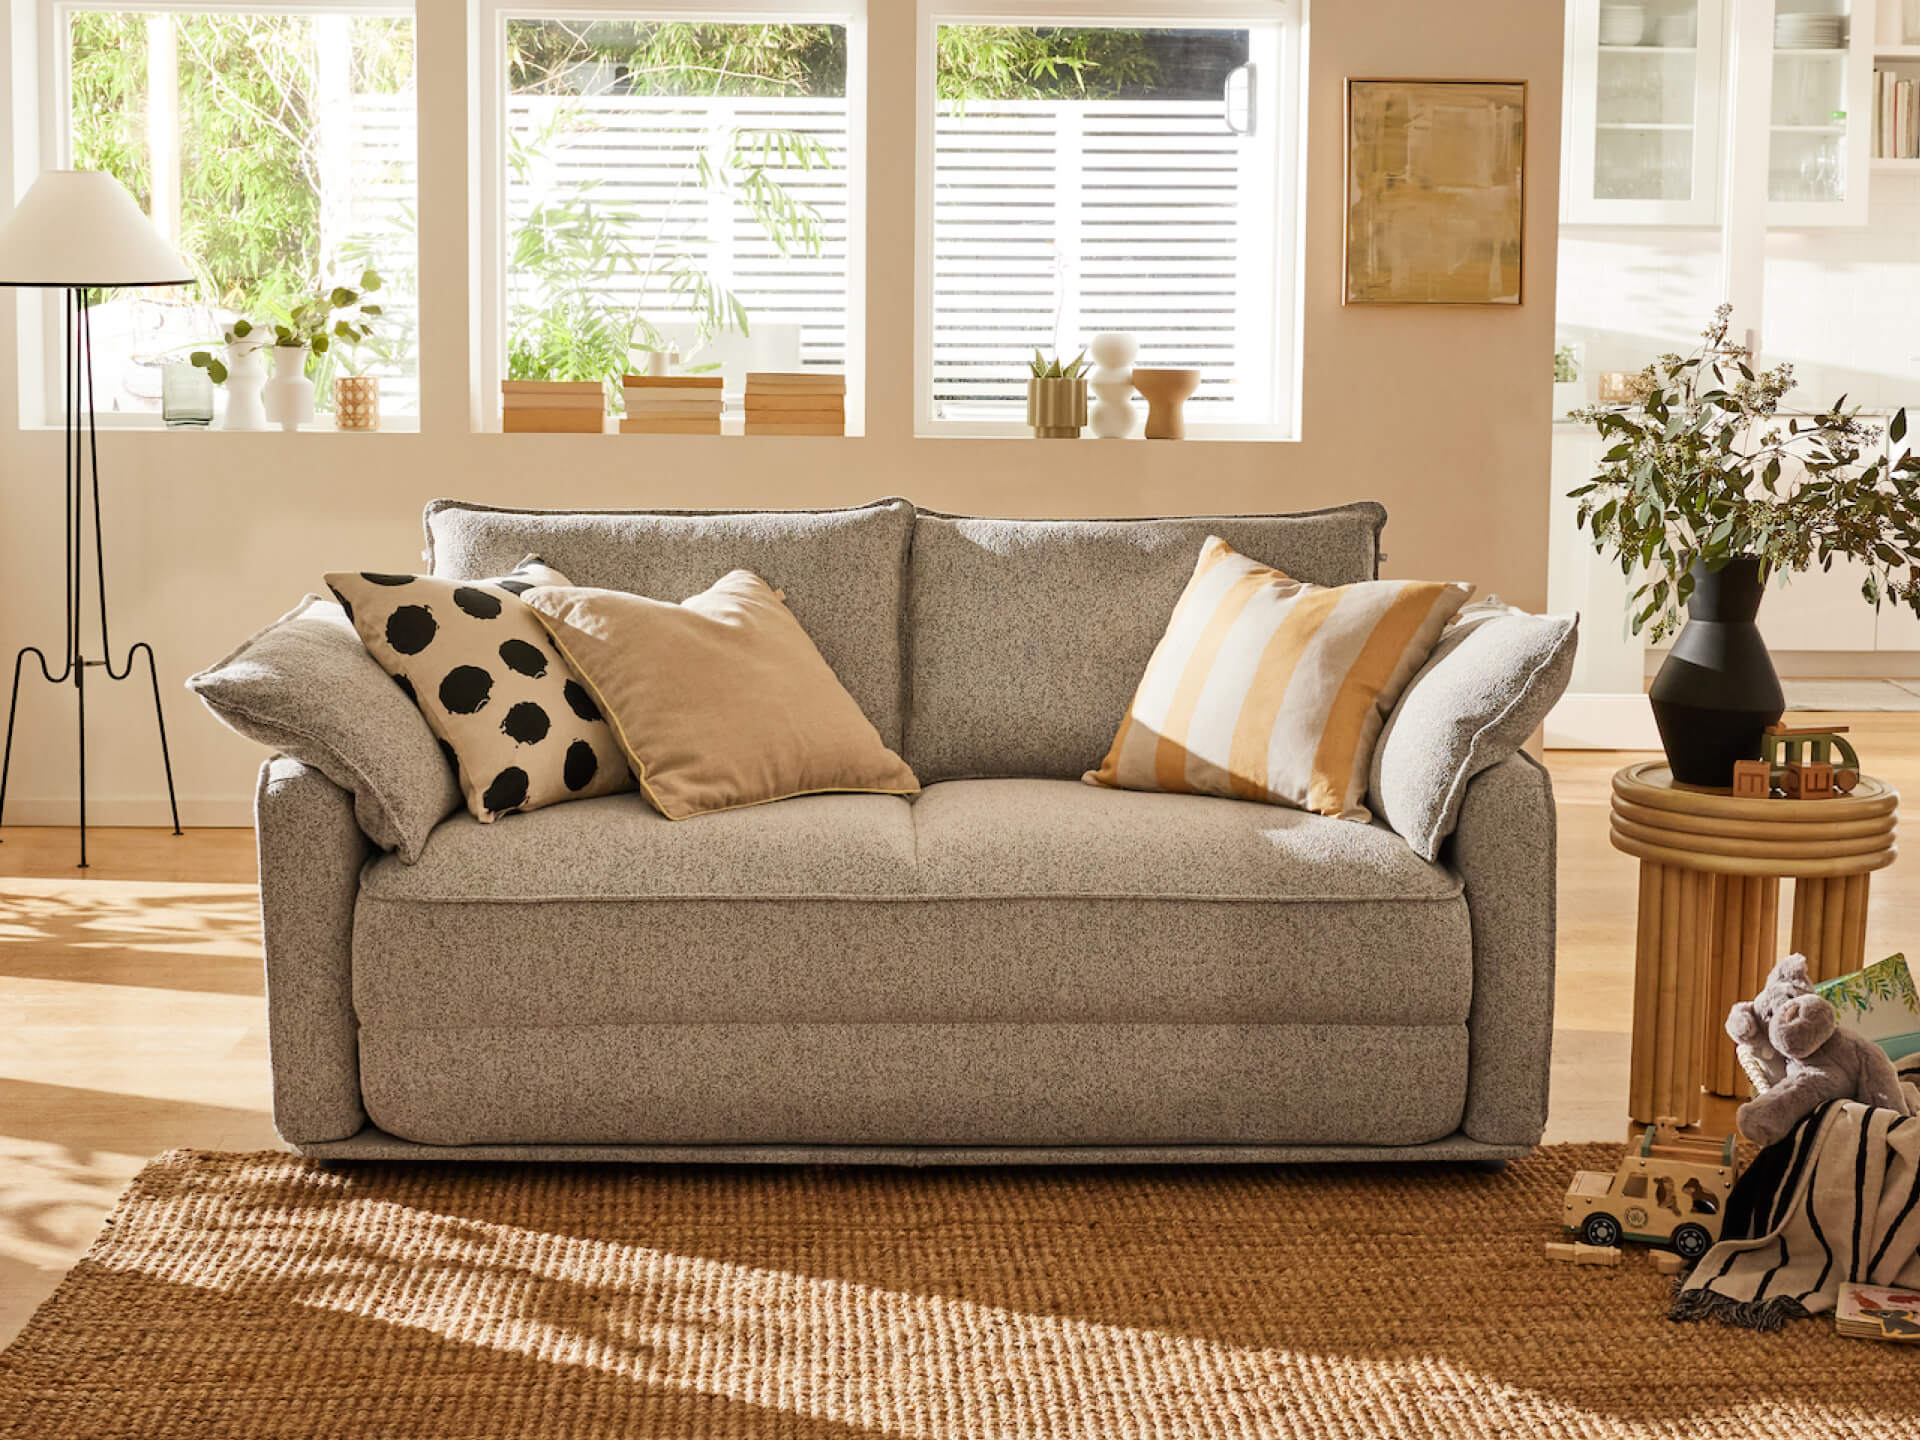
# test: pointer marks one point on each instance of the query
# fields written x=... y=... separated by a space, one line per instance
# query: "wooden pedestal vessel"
x=1710 y=870
x=1166 y=392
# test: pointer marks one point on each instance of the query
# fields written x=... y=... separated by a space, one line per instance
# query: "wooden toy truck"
x=1670 y=1190
x=1783 y=766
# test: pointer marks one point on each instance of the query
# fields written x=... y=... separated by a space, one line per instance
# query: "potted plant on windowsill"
x=1057 y=397
x=1703 y=495
x=336 y=321
x=311 y=329
x=356 y=397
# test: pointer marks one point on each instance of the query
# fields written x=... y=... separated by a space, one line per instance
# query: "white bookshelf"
x=1894 y=54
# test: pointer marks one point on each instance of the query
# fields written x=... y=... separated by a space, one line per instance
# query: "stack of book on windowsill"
x=801 y=403
x=672 y=405
x=573 y=407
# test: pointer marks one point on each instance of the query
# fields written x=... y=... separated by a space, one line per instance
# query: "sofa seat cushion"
x=621 y=849
x=982 y=901
x=1048 y=838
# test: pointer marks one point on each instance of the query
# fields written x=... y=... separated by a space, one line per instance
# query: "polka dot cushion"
x=514 y=720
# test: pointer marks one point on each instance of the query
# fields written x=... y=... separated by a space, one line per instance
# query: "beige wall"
x=1442 y=414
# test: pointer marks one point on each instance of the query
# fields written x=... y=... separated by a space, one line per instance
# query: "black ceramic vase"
x=1717 y=690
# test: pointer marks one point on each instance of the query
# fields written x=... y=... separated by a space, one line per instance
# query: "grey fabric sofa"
x=1014 y=966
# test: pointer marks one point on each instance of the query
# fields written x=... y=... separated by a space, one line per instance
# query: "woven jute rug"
x=261 y=1296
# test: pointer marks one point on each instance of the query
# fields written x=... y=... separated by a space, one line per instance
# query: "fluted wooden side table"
x=1710 y=872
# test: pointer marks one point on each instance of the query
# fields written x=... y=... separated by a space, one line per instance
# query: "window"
x=674 y=186
x=1086 y=178
x=276 y=150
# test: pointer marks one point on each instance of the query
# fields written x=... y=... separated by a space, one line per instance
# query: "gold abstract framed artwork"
x=1436 y=200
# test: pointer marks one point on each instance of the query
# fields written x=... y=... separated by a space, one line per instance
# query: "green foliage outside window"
x=1017 y=62
x=251 y=188
x=249 y=142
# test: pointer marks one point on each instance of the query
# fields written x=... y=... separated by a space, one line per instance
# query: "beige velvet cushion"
x=719 y=701
x=1267 y=688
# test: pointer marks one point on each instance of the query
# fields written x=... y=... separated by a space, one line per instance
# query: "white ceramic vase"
x=246 y=374
x=1113 y=416
x=288 y=396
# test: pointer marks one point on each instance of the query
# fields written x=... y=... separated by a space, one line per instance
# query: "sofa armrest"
x=1503 y=852
x=311 y=853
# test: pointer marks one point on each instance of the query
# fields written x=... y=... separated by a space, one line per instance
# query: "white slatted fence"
x=1139 y=215
x=378 y=217
x=640 y=153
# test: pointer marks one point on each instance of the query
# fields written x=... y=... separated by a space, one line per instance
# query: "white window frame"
x=1286 y=289
x=53 y=69
x=487 y=80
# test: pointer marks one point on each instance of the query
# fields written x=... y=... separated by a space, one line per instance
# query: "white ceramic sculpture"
x=288 y=396
x=1113 y=415
x=246 y=373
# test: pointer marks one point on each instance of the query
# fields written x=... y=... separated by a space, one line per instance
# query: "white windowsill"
x=1014 y=430
x=151 y=425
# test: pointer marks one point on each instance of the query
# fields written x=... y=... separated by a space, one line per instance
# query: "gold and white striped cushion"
x=1267 y=688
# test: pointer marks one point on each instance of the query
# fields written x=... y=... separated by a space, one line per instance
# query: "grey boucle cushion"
x=981 y=901
x=1026 y=638
x=306 y=687
x=843 y=572
x=1487 y=686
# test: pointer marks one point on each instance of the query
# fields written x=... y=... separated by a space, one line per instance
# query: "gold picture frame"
x=1436 y=192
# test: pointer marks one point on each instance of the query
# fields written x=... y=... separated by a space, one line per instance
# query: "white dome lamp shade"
x=80 y=228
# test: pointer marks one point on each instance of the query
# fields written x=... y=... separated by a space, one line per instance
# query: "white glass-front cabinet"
x=1647 y=90
x=1820 y=124
x=1644 y=111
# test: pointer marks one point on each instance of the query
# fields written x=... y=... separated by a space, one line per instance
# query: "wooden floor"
x=130 y=1001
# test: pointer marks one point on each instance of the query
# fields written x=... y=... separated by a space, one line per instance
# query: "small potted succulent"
x=1057 y=397
x=1705 y=492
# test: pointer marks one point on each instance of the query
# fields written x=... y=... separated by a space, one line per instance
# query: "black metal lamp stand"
x=82 y=475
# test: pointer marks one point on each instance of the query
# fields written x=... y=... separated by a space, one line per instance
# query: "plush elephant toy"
x=1797 y=1036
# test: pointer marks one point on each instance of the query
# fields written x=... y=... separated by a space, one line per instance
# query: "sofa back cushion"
x=843 y=571
x=1026 y=638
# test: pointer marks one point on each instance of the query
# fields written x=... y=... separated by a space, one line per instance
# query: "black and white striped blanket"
x=1837 y=1200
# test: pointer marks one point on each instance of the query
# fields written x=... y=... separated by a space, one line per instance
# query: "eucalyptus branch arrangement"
x=1045 y=369
x=242 y=330
x=340 y=314
x=341 y=318
x=1702 y=472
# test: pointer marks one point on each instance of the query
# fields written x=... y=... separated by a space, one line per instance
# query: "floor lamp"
x=77 y=231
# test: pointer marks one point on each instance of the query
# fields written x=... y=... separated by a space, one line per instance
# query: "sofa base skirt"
x=372 y=1145
x=992 y=1085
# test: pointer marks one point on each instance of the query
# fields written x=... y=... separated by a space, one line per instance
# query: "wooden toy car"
x=1811 y=775
x=1671 y=1190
